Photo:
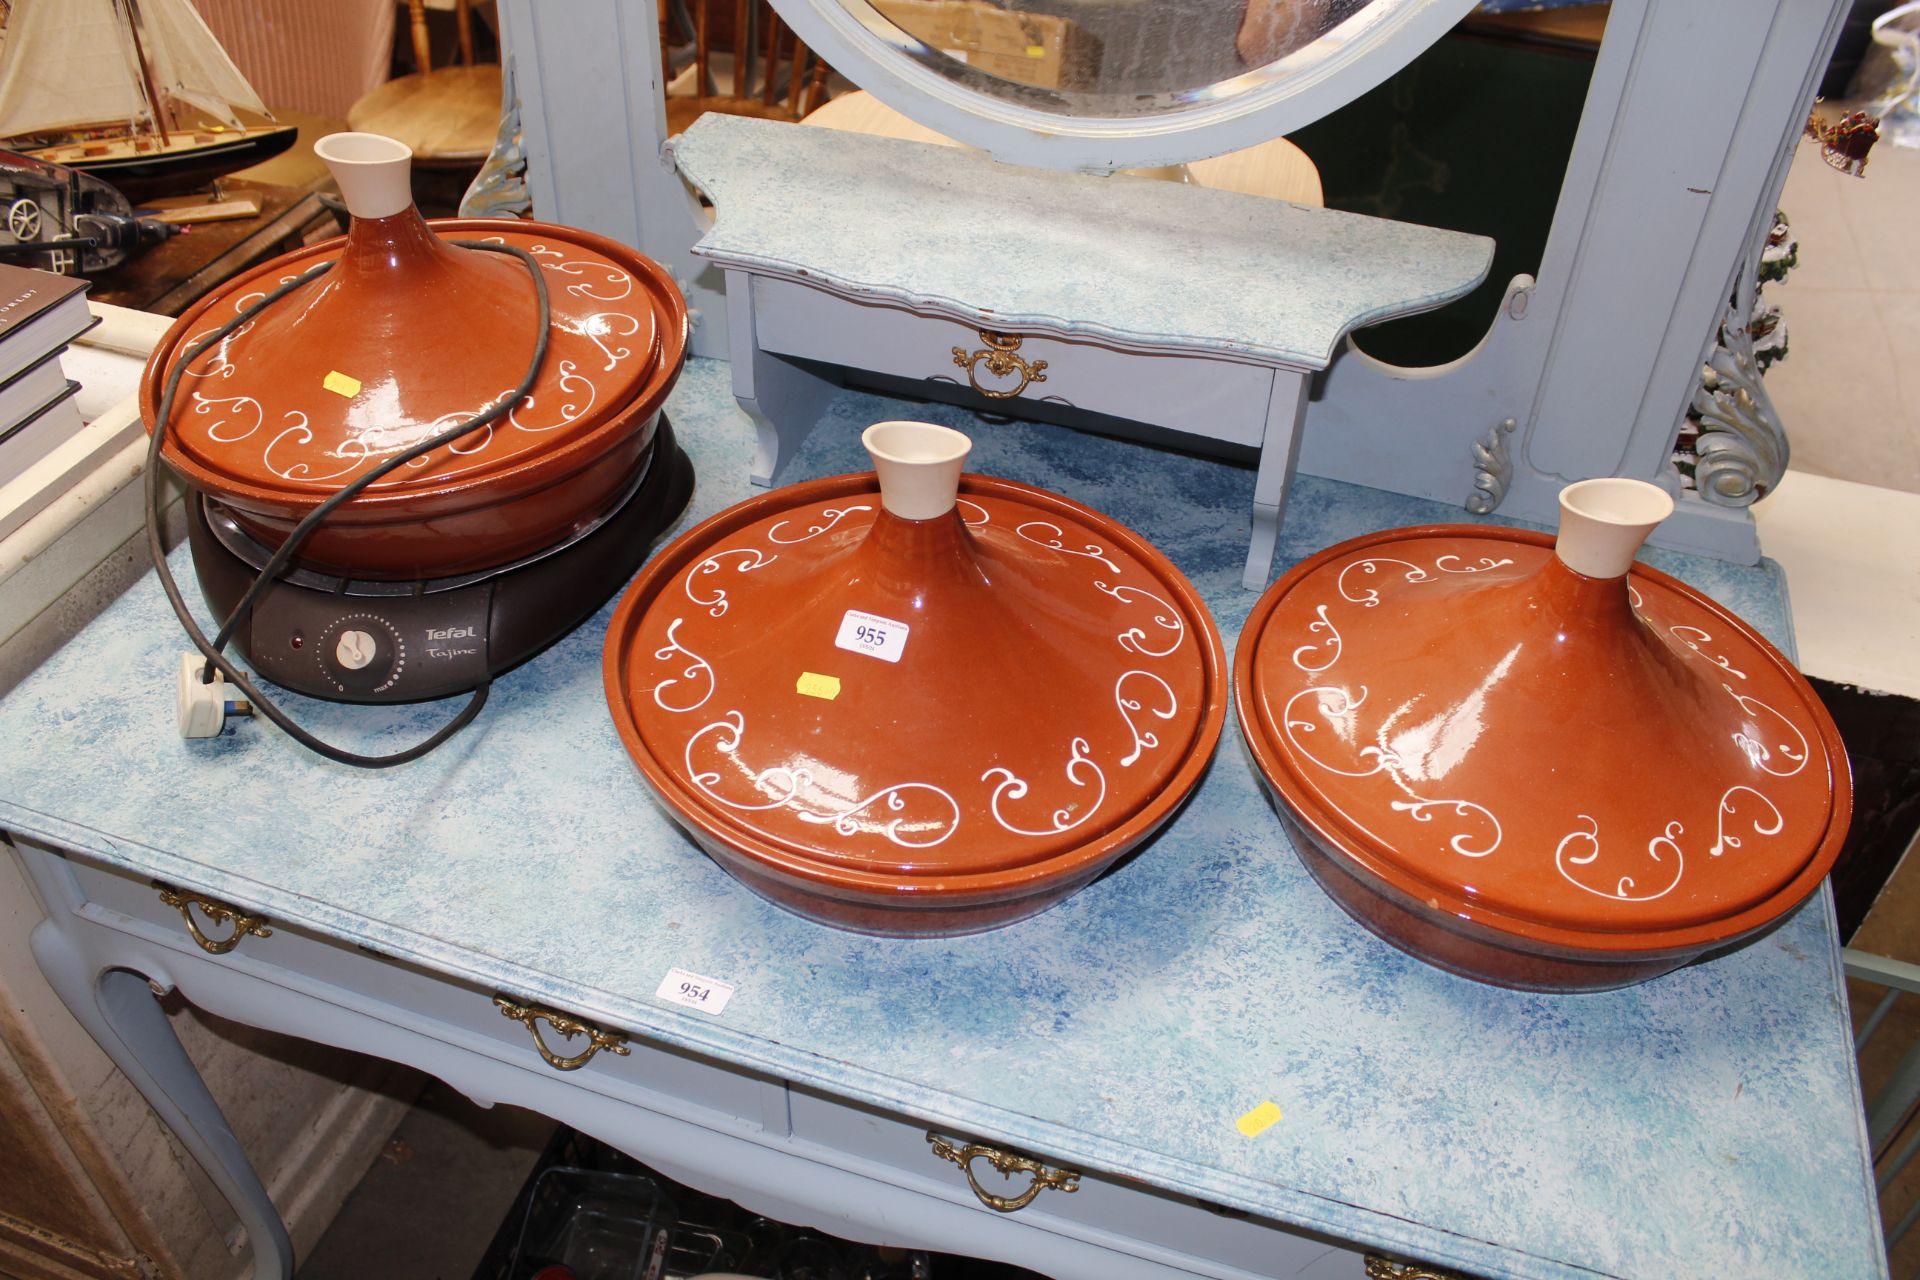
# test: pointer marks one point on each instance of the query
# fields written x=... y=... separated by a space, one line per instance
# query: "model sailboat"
x=138 y=92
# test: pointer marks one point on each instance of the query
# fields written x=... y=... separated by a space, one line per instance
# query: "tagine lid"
x=1559 y=741
x=406 y=335
x=891 y=685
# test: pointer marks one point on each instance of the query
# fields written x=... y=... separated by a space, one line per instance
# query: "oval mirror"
x=1101 y=84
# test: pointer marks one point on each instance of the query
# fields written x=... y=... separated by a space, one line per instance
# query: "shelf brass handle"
x=1379 y=1268
x=568 y=1027
x=1007 y=1164
x=1003 y=361
x=221 y=914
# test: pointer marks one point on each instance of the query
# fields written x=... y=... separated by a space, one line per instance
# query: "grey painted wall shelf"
x=1205 y=312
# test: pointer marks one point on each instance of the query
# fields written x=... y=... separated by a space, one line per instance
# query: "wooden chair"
x=449 y=115
x=753 y=23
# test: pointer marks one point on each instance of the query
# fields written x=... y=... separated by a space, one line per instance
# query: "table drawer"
x=458 y=1015
x=1110 y=1211
x=1202 y=395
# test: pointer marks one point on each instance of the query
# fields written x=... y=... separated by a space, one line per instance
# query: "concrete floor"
x=431 y=1203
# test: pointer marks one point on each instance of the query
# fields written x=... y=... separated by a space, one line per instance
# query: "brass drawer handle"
x=221 y=914
x=1006 y=1164
x=1379 y=1268
x=568 y=1027
x=1002 y=362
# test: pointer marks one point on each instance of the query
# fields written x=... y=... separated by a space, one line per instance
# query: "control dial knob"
x=361 y=653
x=355 y=651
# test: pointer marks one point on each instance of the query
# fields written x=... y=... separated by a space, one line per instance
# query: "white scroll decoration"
x=1666 y=848
x=608 y=322
x=782 y=783
x=354 y=450
x=242 y=301
x=1167 y=619
x=368 y=444
x=1460 y=842
x=1323 y=626
x=695 y=669
x=1054 y=543
x=1755 y=745
x=1325 y=714
x=218 y=365
x=907 y=831
x=1129 y=706
x=1693 y=638
x=617 y=284
x=1460 y=566
x=571 y=384
x=1336 y=708
x=1369 y=597
x=829 y=517
x=612 y=277
x=1012 y=787
x=1662 y=850
x=372 y=443
x=1370 y=566
x=214 y=408
x=463 y=446
x=917 y=814
x=1728 y=809
x=572 y=396
x=716 y=603
x=781 y=787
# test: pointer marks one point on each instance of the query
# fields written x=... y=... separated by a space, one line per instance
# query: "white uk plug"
x=204 y=705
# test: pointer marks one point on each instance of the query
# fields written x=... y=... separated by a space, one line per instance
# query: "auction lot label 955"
x=873 y=635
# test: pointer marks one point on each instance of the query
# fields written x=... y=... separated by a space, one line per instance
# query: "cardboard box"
x=1034 y=49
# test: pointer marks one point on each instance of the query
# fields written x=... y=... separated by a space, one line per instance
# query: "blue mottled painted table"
x=1706 y=1124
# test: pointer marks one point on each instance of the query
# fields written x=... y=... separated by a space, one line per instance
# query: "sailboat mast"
x=154 y=107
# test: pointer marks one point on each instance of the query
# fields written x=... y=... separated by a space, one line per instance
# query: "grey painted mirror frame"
x=1693 y=112
x=1227 y=106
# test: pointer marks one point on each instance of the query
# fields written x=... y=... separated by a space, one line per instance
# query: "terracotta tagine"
x=917 y=703
x=1535 y=762
x=407 y=335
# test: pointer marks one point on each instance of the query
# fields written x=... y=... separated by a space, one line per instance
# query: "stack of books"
x=40 y=313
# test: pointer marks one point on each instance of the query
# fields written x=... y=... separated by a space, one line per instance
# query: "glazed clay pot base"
x=408 y=334
x=900 y=708
x=1548 y=770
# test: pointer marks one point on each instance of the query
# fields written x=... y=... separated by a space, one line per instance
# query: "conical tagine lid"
x=1564 y=744
x=924 y=690
x=405 y=336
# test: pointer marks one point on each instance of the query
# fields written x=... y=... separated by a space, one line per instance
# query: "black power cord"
x=290 y=546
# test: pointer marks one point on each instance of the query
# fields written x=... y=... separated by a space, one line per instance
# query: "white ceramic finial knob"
x=375 y=172
x=919 y=466
x=1603 y=522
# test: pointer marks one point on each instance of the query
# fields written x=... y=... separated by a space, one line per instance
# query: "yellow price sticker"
x=1258 y=1120
x=341 y=385
x=1036 y=51
x=814 y=685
